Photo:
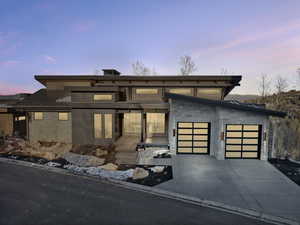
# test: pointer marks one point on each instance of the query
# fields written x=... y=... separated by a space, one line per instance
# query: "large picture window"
x=181 y=91
x=103 y=97
x=38 y=115
x=63 y=116
x=146 y=91
x=155 y=123
x=132 y=124
x=103 y=124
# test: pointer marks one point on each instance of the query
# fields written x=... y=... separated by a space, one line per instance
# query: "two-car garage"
x=222 y=129
x=241 y=140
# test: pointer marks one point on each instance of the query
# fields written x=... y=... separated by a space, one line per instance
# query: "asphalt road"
x=35 y=196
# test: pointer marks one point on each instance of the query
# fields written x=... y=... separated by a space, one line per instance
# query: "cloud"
x=10 y=89
x=8 y=63
x=49 y=59
x=83 y=26
x=267 y=35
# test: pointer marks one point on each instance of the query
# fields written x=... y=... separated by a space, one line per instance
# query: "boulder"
x=83 y=160
x=109 y=166
x=157 y=169
x=139 y=173
x=100 y=152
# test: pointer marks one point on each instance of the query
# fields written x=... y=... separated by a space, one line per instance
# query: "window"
x=38 y=115
x=132 y=123
x=103 y=97
x=214 y=93
x=103 y=125
x=146 y=91
x=63 y=116
x=20 y=118
x=181 y=91
x=155 y=123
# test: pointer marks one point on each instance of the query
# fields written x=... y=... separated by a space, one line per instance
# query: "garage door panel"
x=200 y=125
x=200 y=138
x=234 y=127
x=250 y=134
x=200 y=131
x=234 y=141
x=193 y=137
x=251 y=127
x=200 y=143
x=249 y=154
x=200 y=150
x=250 y=141
x=242 y=141
x=233 y=154
x=185 y=131
x=185 y=137
x=234 y=134
x=234 y=147
x=250 y=147
x=185 y=150
x=185 y=143
x=185 y=125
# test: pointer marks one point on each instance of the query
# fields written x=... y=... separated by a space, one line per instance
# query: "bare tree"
x=298 y=72
x=281 y=84
x=187 y=65
x=264 y=85
x=224 y=71
x=140 y=69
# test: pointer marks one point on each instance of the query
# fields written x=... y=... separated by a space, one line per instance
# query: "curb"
x=165 y=194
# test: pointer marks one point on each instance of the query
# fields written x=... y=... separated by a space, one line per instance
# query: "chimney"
x=111 y=72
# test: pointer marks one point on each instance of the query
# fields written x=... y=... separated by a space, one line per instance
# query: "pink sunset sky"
x=72 y=37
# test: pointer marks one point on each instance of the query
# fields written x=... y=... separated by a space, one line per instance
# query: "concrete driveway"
x=248 y=184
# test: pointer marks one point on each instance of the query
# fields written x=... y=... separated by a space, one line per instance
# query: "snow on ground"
x=96 y=171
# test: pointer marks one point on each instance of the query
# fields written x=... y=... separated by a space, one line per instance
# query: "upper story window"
x=181 y=91
x=214 y=93
x=103 y=97
x=38 y=115
x=146 y=91
x=20 y=118
x=63 y=116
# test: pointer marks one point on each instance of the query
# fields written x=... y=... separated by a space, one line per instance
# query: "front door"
x=193 y=137
x=132 y=124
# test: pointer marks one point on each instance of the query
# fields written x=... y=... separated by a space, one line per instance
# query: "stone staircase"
x=126 y=149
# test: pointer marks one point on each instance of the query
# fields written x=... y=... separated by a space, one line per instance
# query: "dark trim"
x=192 y=128
x=226 y=104
x=242 y=140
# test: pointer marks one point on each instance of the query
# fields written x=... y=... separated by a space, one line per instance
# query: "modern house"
x=188 y=114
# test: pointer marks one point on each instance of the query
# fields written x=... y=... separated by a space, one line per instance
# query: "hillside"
x=286 y=131
x=240 y=98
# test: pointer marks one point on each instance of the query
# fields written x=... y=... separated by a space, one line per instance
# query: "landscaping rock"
x=157 y=169
x=96 y=171
x=109 y=166
x=100 y=152
x=139 y=173
x=83 y=160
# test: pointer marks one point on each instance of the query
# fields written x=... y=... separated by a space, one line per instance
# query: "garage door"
x=243 y=141
x=193 y=137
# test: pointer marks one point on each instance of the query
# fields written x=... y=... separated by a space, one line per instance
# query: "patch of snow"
x=157 y=169
x=160 y=152
x=53 y=164
x=96 y=171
